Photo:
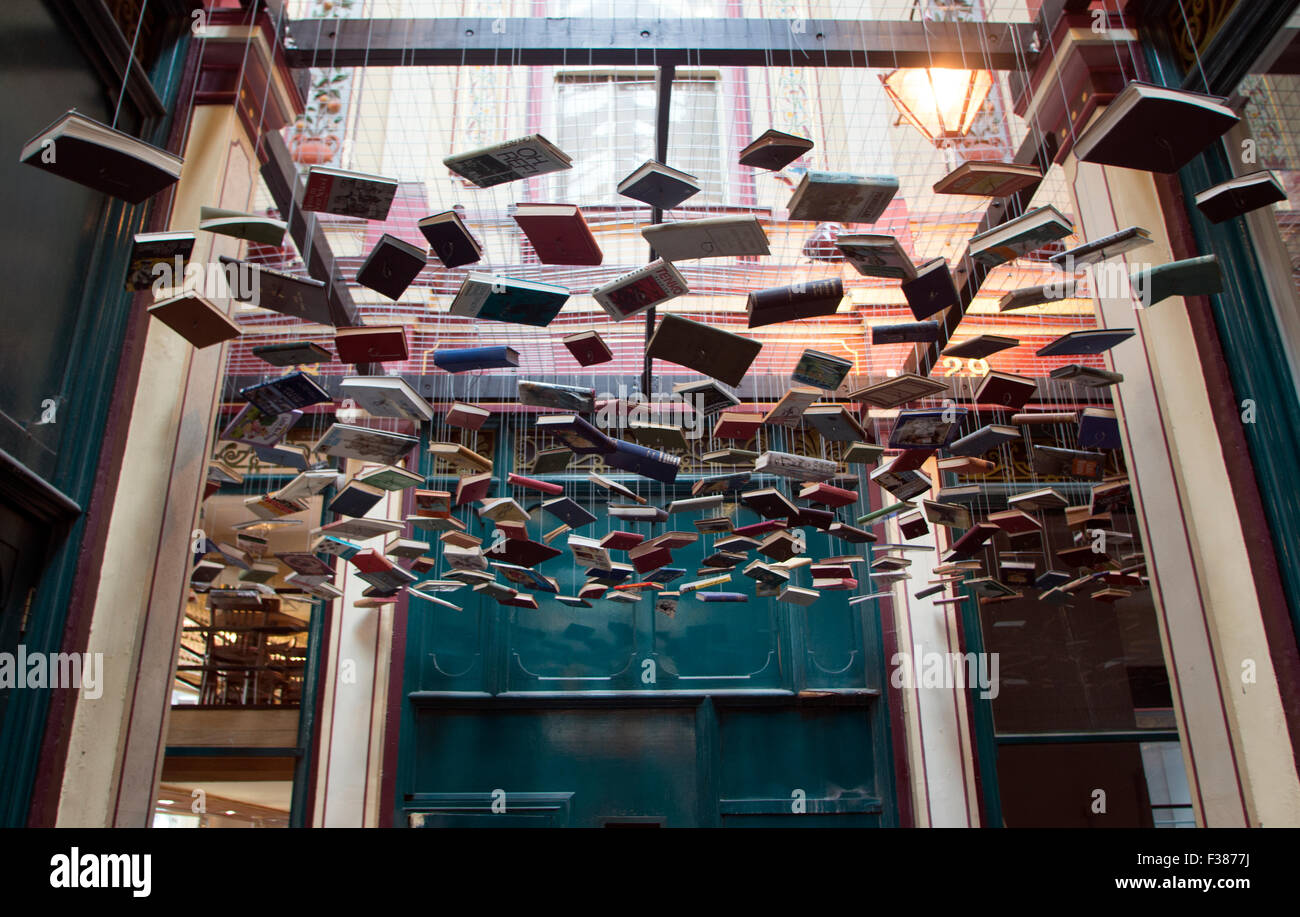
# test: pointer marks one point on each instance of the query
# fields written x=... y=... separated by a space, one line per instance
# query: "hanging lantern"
x=940 y=103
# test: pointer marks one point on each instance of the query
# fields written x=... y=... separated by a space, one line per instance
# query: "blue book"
x=722 y=596
x=926 y=429
x=642 y=460
x=463 y=359
x=665 y=575
x=1098 y=429
x=985 y=439
x=508 y=299
x=1091 y=341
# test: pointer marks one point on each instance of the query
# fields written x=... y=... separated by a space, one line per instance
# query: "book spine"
x=319 y=189
x=651 y=463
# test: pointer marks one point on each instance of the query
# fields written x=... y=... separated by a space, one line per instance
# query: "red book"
x=621 y=541
x=1015 y=522
x=674 y=540
x=521 y=600
x=588 y=348
x=371 y=344
x=473 y=487
x=827 y=495
x=972 y=541
x=518 y=480
x=467 y=416
x=833 y=571
x=737 y=425
x=514 y=530
x=844 y=582
x=371 y=561
x=910 y=460
x=650 y=557
x=558 y=233
x=524 y=552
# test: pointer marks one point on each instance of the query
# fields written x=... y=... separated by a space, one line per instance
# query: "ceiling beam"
x=657 y=42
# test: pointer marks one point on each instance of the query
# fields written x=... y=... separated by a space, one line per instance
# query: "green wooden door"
x=727 y=714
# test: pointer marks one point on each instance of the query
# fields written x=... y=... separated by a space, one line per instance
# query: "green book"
x=884 y=512
x=507 y=299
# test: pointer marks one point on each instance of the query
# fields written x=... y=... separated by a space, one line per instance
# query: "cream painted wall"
x=114 y=752
x=1234 y=734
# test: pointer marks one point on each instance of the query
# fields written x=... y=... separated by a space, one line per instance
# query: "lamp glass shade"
x=940 y=103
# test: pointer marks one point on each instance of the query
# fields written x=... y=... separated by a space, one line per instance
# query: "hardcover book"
x=251 y=227
x=739 y=425
x=797 y=301
x=391 y=266
x=195 y=319
x=349 y=194
x=798 y=467
x=560 y=397
x=926 y=429
x=292 y=353
x=460 y=457
x=988 y=179
x=371 y=344
x=364 y=443
x=1098 y=429
x=1092 y=341
x=1189 y=277
x=508 y=299
x=1086 y=375
x=985 y=439
x=636 y=291
x=1154 y=128
x=979 y=346
x=876 y=256
x=659 y=185
x=905 y=333
x=931 y=291
x=355 y=499
x=1005 y=389
x=297 y=297
x=899 y=390
x=467 y=416
x=650 y=463
x=1239 y=195
x=788 y=411
x=512 y=160
x=902 y=484
x=588 y=348
x=713 y=237
x=711 y=351
x=1019 y=236
x=558 y=233
x=835 y=422
x=450 y=239
x=464 y=359
x=287 y=393
x=1117 y=243
x=774 y=150
x=569 y=512
x=110 y=161
x=386 y=396
x=707 y=396
x=839 y=197
x=822 y=370
x=1069 y=463
x=576 y=433
x=1036 y=296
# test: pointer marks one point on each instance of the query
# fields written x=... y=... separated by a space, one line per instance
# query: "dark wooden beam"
x=663 y=109
x=969 y=275
x=678 y=42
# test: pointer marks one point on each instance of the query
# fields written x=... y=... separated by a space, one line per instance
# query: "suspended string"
x=1196 y=52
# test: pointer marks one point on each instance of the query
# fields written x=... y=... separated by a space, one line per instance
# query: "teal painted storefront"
x=726 y=714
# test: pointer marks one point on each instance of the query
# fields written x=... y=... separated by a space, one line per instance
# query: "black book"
x=292 y=353
x=95 y=155
x=905 y=333
x=391 y=266
x=288 y=393
x=806 y=299
x=1240 y=195
x=774 y=150
x=932 y=291
x=1155 y=129
x=450 y=240
x=658 y=185
x=148 y=249
x=299 y=297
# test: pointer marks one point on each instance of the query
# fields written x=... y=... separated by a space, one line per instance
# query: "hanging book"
x=1035 y=296
x=349 y=194
x=1116 y=243
x=905 y=333
x=1240 y=195
x=988 y=179
x=391 y=266
x=292 y=353
x=658 y=185
x=450 y=239
x=1090 y=341
x=106 y=160
x=588 y=348
x=822 y=370
x=560 y=397
x=634 y=292
x=899 y=390
x=510 y=161
x=299 y=297
x=787 y=411
x=932 y=429
x=251 y=227
x=931 y=291
x=1019 y=236
x=805 y=299
x=774 y=150
x=156 y=254
x=364 y=443
x=876 y=256
x=371 y=344
x=558 y=233
x=711 y=351
x=195 y=319
x=464 y=359
x=1007 y=390
x=979 y=346
x=287 y=393
x=841 y=198
x=1086 y=375
x=984 y=440
x=508 y=299
x=1154 y=129
x=386 y=396
x=1189 y=277
x=714 y=237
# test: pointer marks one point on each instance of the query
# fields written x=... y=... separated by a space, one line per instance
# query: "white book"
x=348 y=193
x=308 y=484
x=587 y=551
x=694 y=504
x=715 y=237
x=363 y=443
x=636 y=291
x=512 y=160
x=386 y=396
x=464 y=558
x=839 y=197
x=799 y=467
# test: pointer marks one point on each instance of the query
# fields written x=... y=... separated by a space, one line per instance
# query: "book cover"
x=636 y=291
x=588 y=348
x=371 y=344
x=391 y=266
x=988 y=179
x=1098 y=429
x=1019 y=236
x=902 y=484
x=838 y=197
x=298 y=297
x=876 y=256
x=150 y=250
x=823 y=370
x=102 y=158
x=1154 y=128
x=349 y=194
x=386 y=396
x=774 y=150
x=985 y=439
x=788 y=411
x=252 y=227
x=931 y=291
x=560 y=397
x=292 y=353
x=288 y=393
x=1005 y=389
x=356 y=499
x=716 y=353
x=905 y=333
x=835 y=422
x=466 y=416
x=899 y=390
x=1091 y=341
x=1035 y=296
x=364 y=443
x=805 y=299
x=576 y=433
x=508 y=299
x=798 y=467
x=510 y=161
x=450 y=239
x=659 y=185
x=739 y=425
x=569 y=512
x=1239 y=195
x=926 y=429
x=195 y=319
x=254 y=427
x=558 y=233
x=1189 y=277
x=1116 y=243
x=979 y=346
x=712 y=237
